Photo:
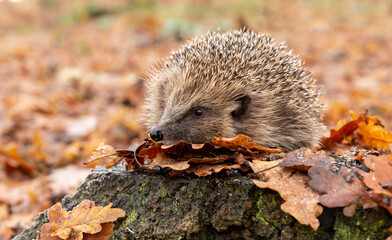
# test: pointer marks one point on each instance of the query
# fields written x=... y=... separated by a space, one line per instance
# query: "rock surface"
x=219 y=207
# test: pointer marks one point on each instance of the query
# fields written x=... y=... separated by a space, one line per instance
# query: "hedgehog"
x=238 y=82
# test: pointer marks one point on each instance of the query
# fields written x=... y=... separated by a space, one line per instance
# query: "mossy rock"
x=217 y=207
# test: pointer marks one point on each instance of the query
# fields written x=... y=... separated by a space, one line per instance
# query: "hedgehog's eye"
x=198 y=112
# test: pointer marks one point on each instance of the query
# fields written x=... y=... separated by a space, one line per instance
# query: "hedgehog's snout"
x=156 y=134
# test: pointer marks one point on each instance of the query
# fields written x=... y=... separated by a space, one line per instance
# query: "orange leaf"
x=301 y=200
x=242 y=141
x=376 y=136
x=85 y=218
x=205 y=170
x=103 y=151
x=161 y=160
x=369 y=131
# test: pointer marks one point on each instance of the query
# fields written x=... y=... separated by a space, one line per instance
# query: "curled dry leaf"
x=86 y=218
x=339 y=190
x=301 y=201
x=104 y=151
x=381 y=174
x=186 y=156
x=161 y=160
x=180 y=148
x=213 y=160
x=304 y=158
x=205 y=170
x=241 y=142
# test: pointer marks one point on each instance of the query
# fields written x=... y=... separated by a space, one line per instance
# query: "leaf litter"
x=305 y=179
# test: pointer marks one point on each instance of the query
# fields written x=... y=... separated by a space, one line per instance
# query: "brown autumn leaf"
x=301 y=201
x=213 y=160
x=241 y=142
x=180 y=148
x=161 y=160
x=380 y=175
x=104 y=234
x=86 y=218
x=202 y=170
x=104 y=151
x=339 y=190
x=304 y=158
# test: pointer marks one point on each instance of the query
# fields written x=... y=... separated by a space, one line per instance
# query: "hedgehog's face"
x=195 y=113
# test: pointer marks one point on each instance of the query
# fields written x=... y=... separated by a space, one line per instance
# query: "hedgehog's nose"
x=156 y=134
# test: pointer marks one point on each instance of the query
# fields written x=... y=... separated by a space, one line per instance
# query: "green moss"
x=132 y=216
x=304 y=232
x=163 y=192
x=260 y=213
x=260 y=217
x=380 y=223
x=201 y=190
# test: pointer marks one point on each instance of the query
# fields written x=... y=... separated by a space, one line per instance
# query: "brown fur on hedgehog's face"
x=193 y=111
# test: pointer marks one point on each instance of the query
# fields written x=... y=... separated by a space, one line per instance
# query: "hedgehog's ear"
x=243 y=101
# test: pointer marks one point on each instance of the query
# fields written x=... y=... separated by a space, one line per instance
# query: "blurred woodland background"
x=71 y=75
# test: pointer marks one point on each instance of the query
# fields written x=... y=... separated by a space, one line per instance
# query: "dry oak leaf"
x=85 y=218
x=339 y=190
x=380 y=175
x=104 y=151
x=161 y=160
x=301 y=201
x=242 y=141
x=202 y=170
x=304 y=158
x=180 y=148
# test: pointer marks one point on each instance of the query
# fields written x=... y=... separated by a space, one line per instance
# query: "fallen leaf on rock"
x=304 y=158
x=101 y=152
x=217 y=159
x=181 y=148
x=104 y=234
x=349 y=210
x=183 y=155
x=301 y=201
x=205 y=170
x=86 y=218
x=368 y=202
x=161 y=160
x=339 y=190
x=380 y=175
x=241 y=142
